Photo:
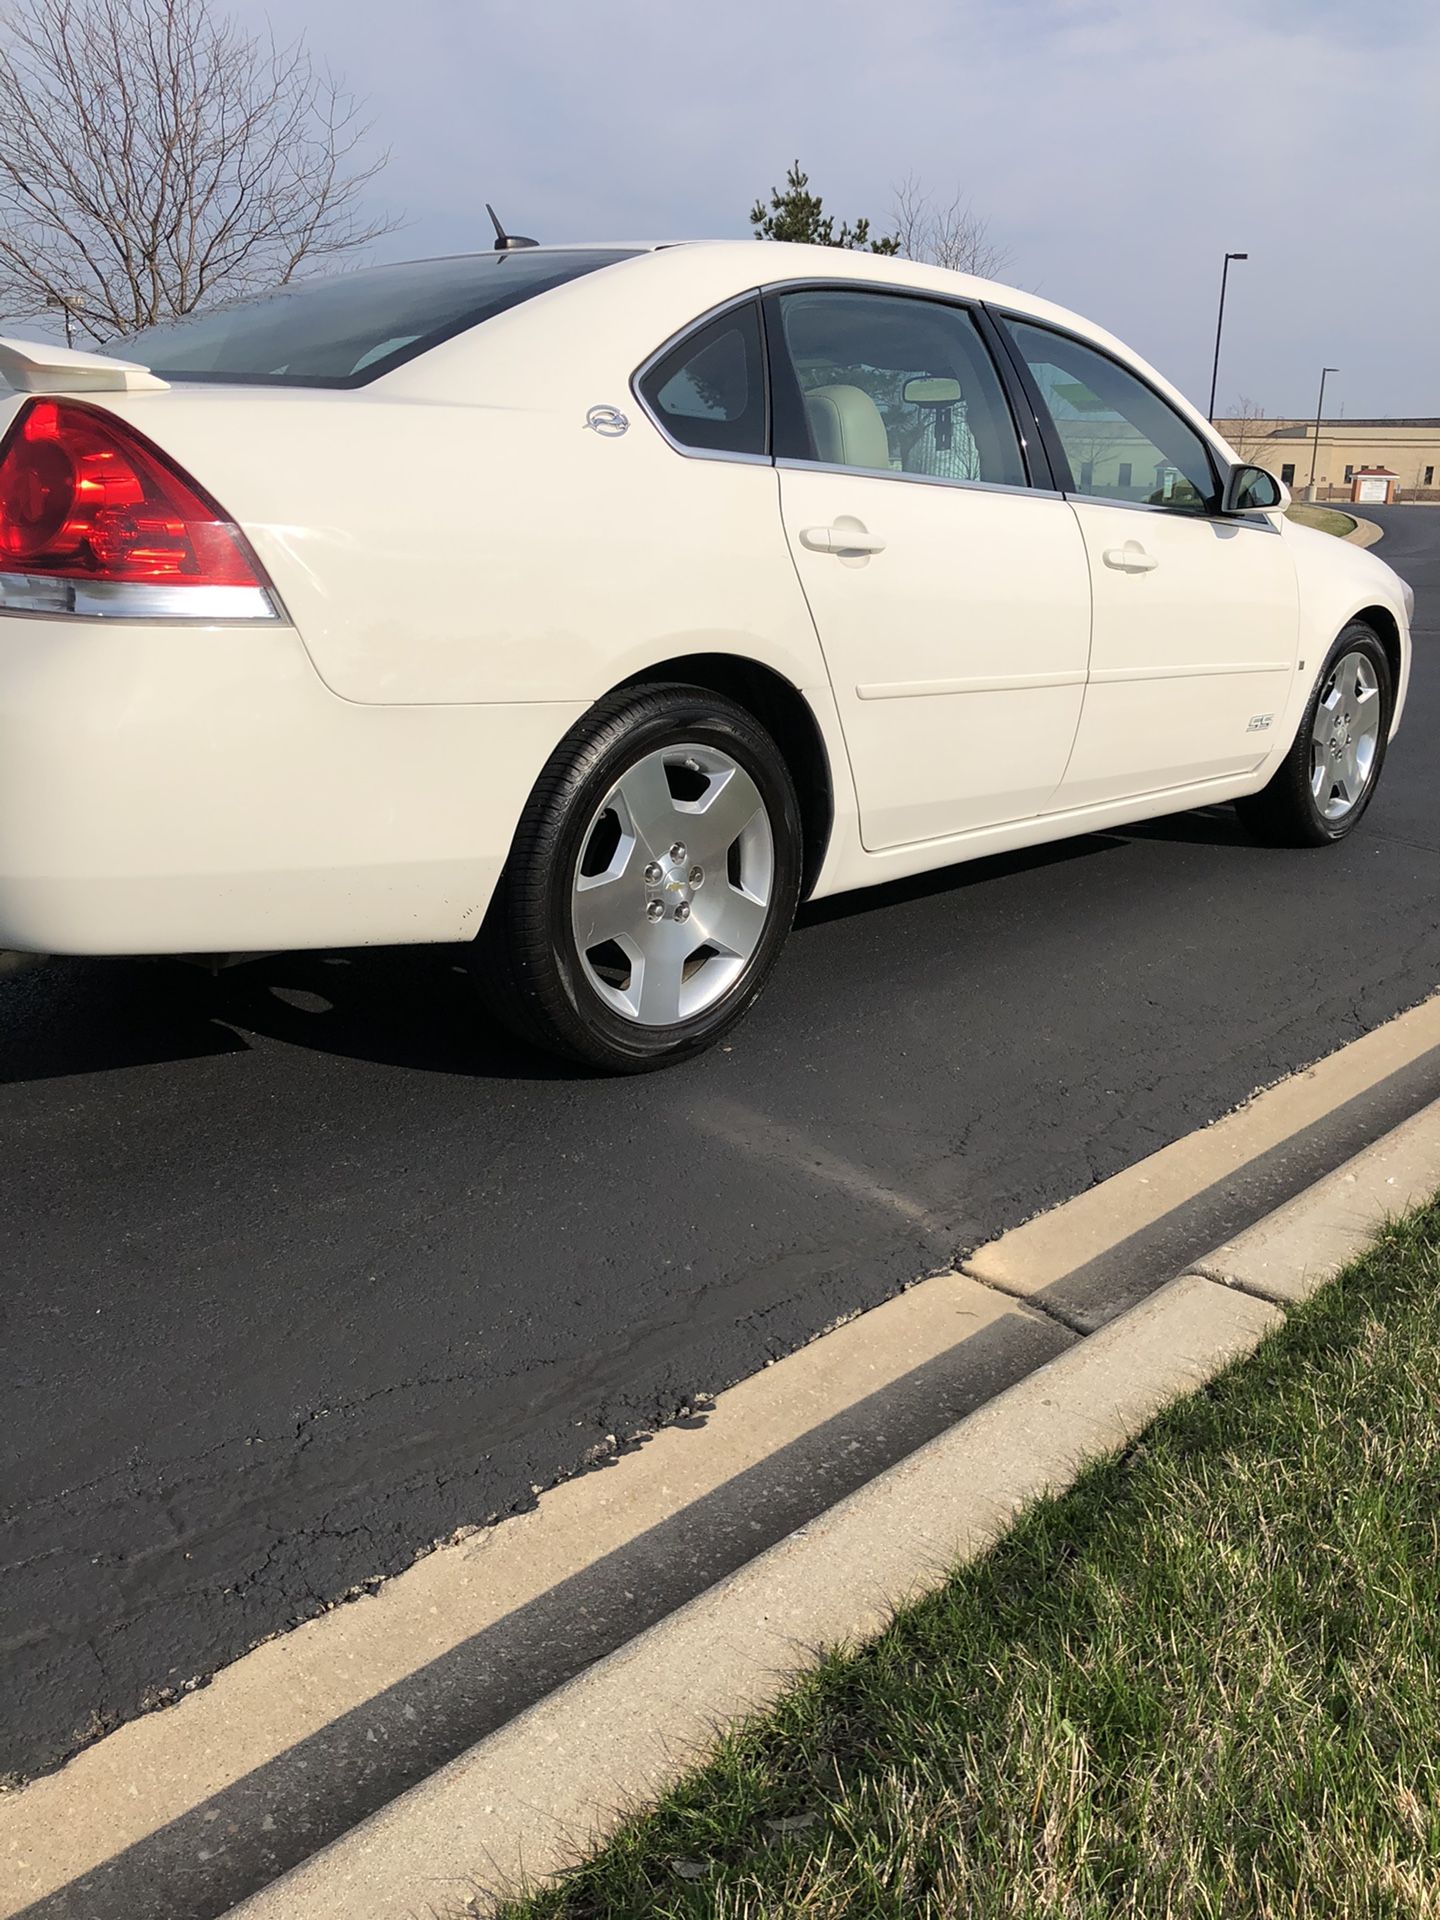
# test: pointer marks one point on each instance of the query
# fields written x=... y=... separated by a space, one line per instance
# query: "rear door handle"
x=841 y=539
x=1131 y=558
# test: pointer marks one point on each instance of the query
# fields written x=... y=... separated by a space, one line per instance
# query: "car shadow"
x=62 y=1016
x=393 y=1006
x=390 y=1006
x=1206 y=827
x=955 y=880
x=411 y=1007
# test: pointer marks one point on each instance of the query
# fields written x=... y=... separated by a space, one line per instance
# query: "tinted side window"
x=1122 y=440
x=893 y=384
x=709 y=391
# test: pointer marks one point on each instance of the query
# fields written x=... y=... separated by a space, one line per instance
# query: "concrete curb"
x=521 y=1804
x=1290 y=1254
x=1364 y=533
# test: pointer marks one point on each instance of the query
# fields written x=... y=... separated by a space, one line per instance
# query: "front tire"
x=652 y=881
x=1328 y=778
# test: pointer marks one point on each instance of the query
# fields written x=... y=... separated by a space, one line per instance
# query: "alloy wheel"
x=673 y=884
x=1345 y=737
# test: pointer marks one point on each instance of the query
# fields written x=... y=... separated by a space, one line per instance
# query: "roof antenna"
x=506 y=242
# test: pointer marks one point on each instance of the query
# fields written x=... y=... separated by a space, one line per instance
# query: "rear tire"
x=652 y=881
x=1328 y=778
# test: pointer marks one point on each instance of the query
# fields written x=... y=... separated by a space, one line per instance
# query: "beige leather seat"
x=847 y=428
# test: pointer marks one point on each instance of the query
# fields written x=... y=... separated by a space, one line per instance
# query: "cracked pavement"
x=306 y=1269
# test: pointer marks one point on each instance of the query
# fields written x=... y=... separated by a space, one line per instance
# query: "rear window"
x=346 y=331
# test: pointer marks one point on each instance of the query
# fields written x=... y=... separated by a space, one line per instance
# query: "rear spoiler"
x=31 y=367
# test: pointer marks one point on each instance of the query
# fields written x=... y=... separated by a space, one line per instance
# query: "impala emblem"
x=609 y=421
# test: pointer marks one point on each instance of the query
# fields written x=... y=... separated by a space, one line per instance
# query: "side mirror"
x=1253 y=490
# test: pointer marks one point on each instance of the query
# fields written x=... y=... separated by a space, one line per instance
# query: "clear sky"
x=1118 y=147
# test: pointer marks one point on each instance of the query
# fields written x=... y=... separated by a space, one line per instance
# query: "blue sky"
x=1118 y=147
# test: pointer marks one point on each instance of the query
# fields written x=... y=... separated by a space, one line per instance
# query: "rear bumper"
x=199 y=790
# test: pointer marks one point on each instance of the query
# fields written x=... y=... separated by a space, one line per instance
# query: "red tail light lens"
x=84 y=497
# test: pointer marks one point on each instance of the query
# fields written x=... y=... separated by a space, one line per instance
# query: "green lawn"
x=1325 y=519
x=1205 y=1683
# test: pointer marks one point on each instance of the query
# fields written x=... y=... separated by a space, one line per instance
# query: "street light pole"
x=1219 y=326
x=1325 y=372
x=69 y=304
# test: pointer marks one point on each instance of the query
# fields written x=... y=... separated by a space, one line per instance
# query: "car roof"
x=660 y=286
x=782 y=258
x=741 y=264
x=655 y=289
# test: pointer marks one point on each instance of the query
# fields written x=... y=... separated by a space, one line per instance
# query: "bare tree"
x=1248 y=427
x=952 y=235
x=155 y=158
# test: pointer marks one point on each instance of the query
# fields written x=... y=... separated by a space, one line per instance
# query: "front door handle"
x=842 y=538
x=1131 y=558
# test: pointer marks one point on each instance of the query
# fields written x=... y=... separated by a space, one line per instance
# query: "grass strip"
x=1324 y=520
x=1203 y=1682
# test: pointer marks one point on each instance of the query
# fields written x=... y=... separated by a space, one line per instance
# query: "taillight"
x=96 y=519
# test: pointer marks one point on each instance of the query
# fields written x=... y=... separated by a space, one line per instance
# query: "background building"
x=1408 y=449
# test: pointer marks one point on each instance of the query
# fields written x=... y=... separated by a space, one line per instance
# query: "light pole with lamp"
x=1219 y=325
x=70 y=304
x=1325 y=373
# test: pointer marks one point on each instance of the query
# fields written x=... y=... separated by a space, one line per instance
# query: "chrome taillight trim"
x=34 y=593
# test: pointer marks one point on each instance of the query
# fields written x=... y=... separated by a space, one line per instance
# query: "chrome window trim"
x=918 y=479
x=666 y=348
x=37 y=596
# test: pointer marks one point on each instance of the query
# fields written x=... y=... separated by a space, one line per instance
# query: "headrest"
x=848 y=429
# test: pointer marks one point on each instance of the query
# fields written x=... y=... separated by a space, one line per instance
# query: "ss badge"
x=1259 y=722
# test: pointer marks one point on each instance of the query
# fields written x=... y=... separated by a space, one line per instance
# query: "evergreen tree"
x=798 y=214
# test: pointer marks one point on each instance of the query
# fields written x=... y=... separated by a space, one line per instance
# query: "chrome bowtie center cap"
x=670 y=884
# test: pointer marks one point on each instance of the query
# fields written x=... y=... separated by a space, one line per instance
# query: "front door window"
x=1122 y=441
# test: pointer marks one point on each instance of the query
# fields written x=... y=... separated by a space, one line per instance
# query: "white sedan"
x=594 y=605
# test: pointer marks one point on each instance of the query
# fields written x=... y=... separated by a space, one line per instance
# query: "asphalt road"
x=304 y=1268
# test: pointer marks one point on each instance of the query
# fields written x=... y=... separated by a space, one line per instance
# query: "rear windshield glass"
x=349 y=330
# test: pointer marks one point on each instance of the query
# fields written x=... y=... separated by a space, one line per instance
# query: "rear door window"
x=892 y=383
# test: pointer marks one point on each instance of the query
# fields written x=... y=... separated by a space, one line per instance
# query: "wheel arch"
x=1388 y=628
x=785 y=713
